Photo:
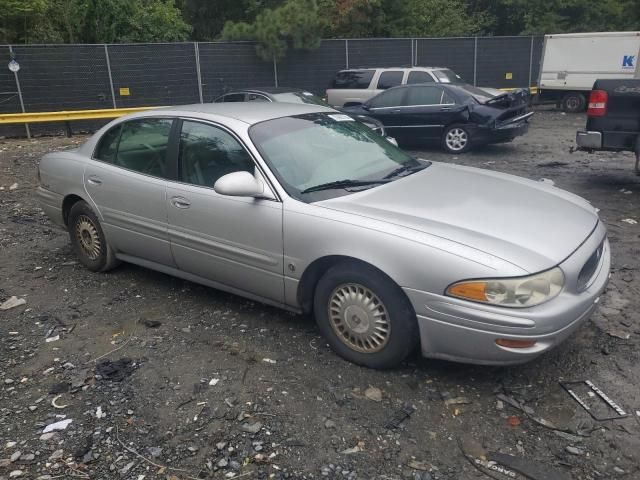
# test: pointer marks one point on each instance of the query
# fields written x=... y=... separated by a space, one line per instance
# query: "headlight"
x=511 y=292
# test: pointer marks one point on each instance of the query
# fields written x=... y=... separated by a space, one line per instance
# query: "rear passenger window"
x=353 y=79
x=256 y=97
x=392 y=98
x=419 y=77
x=423 y=96
x=143 y=146
x=234 y=97
x=108 y=145
x=390 y=79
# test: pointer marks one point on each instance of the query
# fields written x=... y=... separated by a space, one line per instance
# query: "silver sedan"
x=302 y=207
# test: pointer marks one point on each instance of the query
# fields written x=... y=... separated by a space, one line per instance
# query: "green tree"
x=296 y=23
x=17 y=17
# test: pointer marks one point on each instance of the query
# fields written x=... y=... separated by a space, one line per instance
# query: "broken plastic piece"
x=399 y=416
x=620 y=412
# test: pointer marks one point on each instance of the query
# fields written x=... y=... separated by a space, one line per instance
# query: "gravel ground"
x=167 y=379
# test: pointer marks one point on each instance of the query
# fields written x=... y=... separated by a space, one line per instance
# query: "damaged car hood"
x=527 y=223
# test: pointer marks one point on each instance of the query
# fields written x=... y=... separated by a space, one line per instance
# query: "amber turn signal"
x=511 y=343
x=469 y=291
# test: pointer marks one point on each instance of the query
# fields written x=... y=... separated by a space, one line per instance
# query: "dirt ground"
x=221 y=387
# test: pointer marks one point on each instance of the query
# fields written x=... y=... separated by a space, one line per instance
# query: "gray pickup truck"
x=613 y=118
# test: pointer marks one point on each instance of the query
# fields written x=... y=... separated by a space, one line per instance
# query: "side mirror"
x=242 y=184
x=392 y=140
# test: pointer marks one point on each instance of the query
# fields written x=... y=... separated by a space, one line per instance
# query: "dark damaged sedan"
x=459 y=117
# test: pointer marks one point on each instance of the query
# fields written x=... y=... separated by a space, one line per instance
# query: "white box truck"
x=572 y=62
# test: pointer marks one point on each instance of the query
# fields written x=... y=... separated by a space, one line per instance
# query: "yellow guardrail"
x=66 y=116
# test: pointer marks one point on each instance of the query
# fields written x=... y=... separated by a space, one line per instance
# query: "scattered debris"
x=619 y=334
x=532 y=470
x=268 y=360
x=13 y=186
x=55 y=404
x=552 y=164
x=399 y=416
x=513 y=421
x=61 y=425
x=358 y=448
x=151 y=323
x=373 y=393
x=52 y=339
x=594 y=391
x=457 y=401
x=115 y=371
x=61 y=387
x=528 y=411
x=213 y=382
x=251 y=427
x=12 y=302
x=630 y=221
x=416 y=465
x=99 y=413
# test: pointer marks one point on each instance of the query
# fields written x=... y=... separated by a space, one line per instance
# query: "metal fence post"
x=15 y=74
x=346 y=53
x=475 y=61
x=197 y=52
x=530 y=63
x=416 y=52
x=412 y=54
x=275 y=71
x=113 y=93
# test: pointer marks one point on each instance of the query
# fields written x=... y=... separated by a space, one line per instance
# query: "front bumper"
x=464 y=331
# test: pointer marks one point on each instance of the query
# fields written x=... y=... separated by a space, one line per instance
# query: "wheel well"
x=313 y=273
x=68 y=202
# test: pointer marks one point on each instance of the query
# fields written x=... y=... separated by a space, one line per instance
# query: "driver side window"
x=208 y=153
x=143 y=146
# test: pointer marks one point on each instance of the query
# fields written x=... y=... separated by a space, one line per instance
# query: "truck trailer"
x=572 y=62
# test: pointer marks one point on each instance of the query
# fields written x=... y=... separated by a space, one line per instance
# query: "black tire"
x=573 y=102
x=463 y=139
x=88 y=240
x=403 y=335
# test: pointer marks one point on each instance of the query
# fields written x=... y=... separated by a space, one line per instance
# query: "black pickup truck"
x=613 y=118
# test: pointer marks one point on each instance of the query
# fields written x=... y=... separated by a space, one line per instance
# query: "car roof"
x=247 y=112
x=267 y=90
x=416 y=68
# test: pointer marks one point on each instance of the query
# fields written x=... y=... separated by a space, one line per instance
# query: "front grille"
x=589 y=268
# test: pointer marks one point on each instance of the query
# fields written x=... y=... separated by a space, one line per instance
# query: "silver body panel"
x=425 y=231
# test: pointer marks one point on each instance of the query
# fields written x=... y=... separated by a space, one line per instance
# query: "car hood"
x=530 y=224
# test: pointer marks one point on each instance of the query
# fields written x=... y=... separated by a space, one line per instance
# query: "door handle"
x=445 y=109
x=93 y=180
x=180 y=202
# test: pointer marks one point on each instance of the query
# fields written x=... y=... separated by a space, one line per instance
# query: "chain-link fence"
x=82 y=77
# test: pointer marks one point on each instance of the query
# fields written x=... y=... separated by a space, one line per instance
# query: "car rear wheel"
x=456 y=139
x=573 y=102
x=365 y=316
x=88 y=239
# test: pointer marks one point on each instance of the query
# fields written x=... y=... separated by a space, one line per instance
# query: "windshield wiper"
x=343 y=184
x=406 y=168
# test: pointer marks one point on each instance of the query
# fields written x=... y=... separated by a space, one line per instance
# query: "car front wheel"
x=88 y=239
x=365 y=316
x=456 y=139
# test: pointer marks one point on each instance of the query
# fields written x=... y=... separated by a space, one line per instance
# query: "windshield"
x=447 y=76
x=311 y=150
x=299 y=97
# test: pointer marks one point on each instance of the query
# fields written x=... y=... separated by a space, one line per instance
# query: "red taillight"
x=597 y=103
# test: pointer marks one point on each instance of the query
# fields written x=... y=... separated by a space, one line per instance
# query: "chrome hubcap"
x=88 y=237
x=456 y=139
x=359 y=318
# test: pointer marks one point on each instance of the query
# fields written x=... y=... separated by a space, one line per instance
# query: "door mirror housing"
x=392 y=141
x=242 y=184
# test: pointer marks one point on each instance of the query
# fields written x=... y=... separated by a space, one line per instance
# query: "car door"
x=126 y=181
x=386 y=108
x=234 y=241
x=427 y=110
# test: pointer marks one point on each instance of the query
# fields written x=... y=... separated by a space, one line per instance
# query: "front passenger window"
x=390 y=98
x=208 y=153
x=143 y=146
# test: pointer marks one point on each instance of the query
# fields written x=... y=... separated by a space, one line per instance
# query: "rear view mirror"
x=392 y=140
x=242 y=184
